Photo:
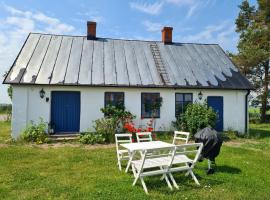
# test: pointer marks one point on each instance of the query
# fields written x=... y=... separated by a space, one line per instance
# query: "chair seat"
x=122 y=151
x=161 y=161
x=178 y=159
x=151 y=163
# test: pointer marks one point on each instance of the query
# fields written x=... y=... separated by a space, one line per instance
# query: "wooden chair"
x=122 y=154
x=186 y=161
x=181 y=136
x=144 y=137
x=152 y=163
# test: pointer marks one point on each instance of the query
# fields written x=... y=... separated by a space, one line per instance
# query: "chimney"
x=91 y=30
x=167 y=34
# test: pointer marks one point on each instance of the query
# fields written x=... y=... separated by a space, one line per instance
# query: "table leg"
x=131 y=154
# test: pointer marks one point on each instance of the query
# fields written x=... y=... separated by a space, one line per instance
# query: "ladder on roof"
x=159 y=64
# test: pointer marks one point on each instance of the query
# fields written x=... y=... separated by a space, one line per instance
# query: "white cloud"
x=151 y=26
x=192 y=5
x=148 y=8
x=223 y=34
x=91 y=16
x=14 y=29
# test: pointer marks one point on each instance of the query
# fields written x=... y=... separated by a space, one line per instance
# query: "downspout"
x=246 y=112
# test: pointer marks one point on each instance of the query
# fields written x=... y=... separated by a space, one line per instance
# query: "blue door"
x=217 y=104
x=65 y=111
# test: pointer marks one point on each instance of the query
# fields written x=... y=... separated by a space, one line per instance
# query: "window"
x=148 y=104
x=181 y=102
x=114 y=99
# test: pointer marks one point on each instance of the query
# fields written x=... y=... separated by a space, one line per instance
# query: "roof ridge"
x=123 y=39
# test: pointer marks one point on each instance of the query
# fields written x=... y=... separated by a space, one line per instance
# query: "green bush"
x=118 y=114
x=197 y=116
x=106 y=128
x=35 y=132
x=91 y=138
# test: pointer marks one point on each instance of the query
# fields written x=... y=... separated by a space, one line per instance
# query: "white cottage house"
x=66 y=80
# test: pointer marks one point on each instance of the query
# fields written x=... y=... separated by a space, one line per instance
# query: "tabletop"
x=146 y=145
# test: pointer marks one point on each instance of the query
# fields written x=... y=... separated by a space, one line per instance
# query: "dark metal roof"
x=74 y=60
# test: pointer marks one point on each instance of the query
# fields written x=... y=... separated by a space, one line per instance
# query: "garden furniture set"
x=157 y=158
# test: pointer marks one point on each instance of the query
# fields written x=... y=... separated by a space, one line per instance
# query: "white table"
x=140 y=146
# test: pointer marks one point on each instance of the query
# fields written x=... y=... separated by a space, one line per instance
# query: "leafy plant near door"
x=196 y=117
x=35 y=132
x=105 y=128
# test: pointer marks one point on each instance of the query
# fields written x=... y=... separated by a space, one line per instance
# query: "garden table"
x=141 y=146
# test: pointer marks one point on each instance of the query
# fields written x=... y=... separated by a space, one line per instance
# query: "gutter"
x=246 y=111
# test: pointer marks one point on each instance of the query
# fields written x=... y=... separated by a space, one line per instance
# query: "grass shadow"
x=227 y=169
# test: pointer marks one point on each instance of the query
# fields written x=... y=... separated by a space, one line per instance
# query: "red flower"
x=139 y=130
x=154 y=136
x=149 y=129
x=133 y=140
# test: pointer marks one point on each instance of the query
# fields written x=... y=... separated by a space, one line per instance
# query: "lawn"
x=80 y=172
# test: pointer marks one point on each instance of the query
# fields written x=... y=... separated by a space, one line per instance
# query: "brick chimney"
x=91 y=30
x=167 y=34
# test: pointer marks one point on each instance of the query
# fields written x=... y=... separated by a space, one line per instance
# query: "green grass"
x=33 y=172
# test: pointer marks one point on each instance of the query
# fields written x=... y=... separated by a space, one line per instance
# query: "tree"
x=9 y=89
x=253 y=25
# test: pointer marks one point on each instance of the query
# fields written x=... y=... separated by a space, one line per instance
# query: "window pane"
x=114 y=98
x=179 y=97
x=181 y=102
x=188 y=97
x=148 y=101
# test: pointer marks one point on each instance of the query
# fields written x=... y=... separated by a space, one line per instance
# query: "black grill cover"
x=212 y=142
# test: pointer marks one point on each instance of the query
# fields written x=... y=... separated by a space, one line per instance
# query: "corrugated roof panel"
x=165 y=57
x=178 y=51
x=20 y=65
x=225 y=58
x=151 y=63
x=179 y=69
x=196 y=66
x=219 y=60
x=33 y=66
x=207 y=60
x=213 y=60
x=60 y=68
x=120 y=63
x=45 y=73
x=109 y=63
x=73 y=68
x=204 y=68
x=85 y=75
x=133 y=72
x=75 y=60
x=143 y=67
x=98 y=63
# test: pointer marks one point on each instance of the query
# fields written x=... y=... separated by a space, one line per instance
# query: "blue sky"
x=202 y=21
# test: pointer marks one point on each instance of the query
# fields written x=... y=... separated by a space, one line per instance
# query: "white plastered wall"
x=27 y=105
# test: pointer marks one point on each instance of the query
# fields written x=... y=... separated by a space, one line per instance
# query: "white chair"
x=181 y=136
x=185 y=161
x=122 y=154
x=144 y=137
x=152 y=163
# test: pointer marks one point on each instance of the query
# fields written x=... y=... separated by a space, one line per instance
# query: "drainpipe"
x=246 y=112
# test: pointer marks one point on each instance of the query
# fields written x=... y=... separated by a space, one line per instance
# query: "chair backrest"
x=166 y=154
x=192 y=151
x=144 y=137
x=122 y=138
x=182 y=136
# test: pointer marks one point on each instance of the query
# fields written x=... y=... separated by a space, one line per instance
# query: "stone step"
x=64 y=137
